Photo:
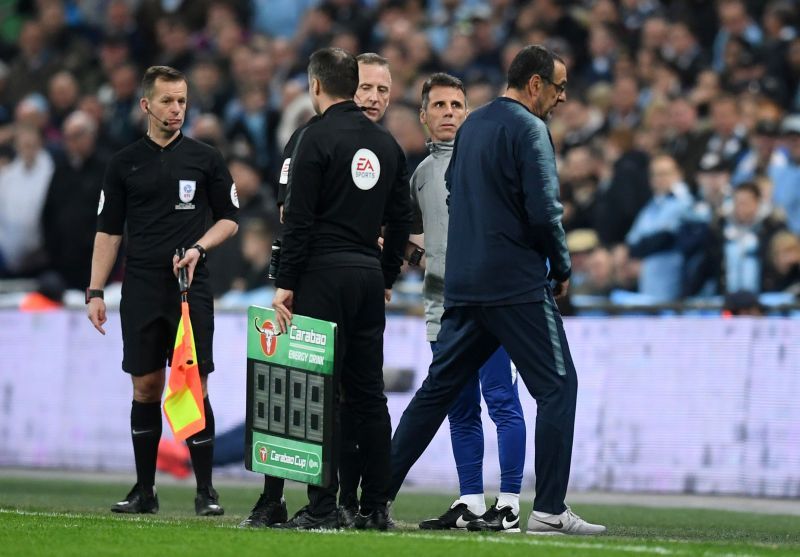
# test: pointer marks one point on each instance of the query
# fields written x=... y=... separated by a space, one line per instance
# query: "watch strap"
x=93 y=293
x=202 y=251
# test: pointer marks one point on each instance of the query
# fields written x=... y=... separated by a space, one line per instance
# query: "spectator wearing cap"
x=581 y=243
x=786 y=179
x=764 y=154
x=714 y=202
x=714 y=186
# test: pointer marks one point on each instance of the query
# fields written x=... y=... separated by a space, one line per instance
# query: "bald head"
x=80 y=132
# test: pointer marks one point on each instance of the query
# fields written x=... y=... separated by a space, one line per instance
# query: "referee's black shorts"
x=150 y=311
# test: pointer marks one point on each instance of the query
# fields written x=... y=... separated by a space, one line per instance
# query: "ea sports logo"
x=365 y=169
x=269 y=338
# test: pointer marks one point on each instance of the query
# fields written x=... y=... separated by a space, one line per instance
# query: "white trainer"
x=568 y=522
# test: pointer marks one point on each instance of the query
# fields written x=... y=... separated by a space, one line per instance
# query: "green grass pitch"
x=52 y=517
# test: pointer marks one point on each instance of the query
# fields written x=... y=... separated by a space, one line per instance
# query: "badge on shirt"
x=284 y=177
x=186 y=189
x=234 y=196
x=365 y=169
x=102 y=202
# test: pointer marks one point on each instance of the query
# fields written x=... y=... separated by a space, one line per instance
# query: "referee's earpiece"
x=150 y=112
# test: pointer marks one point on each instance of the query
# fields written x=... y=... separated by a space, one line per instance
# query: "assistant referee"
x=346 y=176
x=164 y=189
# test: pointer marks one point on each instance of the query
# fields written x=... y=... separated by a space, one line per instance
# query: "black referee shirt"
x=346 y=176
x=168 y=197
x=283 y=178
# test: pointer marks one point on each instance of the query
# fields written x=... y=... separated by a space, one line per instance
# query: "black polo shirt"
x=346 y=176
x=164 y=197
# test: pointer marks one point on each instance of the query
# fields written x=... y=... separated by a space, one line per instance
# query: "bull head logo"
x=269 y=342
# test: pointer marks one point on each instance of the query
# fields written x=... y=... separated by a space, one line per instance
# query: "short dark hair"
x=532 y=60
x=165 y=73
x=440 y=79
x=372 y=59
x=336 y=70
x=749 y=187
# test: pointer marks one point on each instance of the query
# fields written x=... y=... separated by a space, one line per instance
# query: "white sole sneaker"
x=567 y=523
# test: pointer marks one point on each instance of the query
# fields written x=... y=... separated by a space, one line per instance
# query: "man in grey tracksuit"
x=443 y=111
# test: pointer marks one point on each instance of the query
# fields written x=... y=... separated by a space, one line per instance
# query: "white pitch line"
x=508 y=539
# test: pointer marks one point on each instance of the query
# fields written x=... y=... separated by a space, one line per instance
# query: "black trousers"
x=533 y=335
x=352 y=297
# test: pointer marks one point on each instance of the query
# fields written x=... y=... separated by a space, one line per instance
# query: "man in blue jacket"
x=505 y=225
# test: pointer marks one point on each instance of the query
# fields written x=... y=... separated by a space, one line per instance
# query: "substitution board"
x=289 y=397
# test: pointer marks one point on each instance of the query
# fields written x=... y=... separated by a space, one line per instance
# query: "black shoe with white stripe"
x=456 y=518
x=138 y=501
x=206 y=503
x=502 y=519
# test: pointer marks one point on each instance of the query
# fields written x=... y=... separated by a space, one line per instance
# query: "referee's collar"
x=168 y=147
x=344 y=106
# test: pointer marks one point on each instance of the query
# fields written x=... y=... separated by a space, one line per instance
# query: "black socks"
x=201 y=449
x=146 y=433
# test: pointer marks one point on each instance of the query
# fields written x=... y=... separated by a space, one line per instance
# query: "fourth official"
x=347 y=176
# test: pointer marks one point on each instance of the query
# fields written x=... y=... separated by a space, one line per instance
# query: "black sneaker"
x=137 y=501
x=265 y=513
x=456 y=517
x=496 y=519
x=206 y=503
x=347 y=516
x=378 y=519
x=304 y=520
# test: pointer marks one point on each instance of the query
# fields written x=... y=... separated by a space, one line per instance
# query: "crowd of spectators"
x=678 y=147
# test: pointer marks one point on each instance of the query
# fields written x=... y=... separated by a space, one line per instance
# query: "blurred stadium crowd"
x=679 y=146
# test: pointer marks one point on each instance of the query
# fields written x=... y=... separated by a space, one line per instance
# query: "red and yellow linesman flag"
x=183 y=404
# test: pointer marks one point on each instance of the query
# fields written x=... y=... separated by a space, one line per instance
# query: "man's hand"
x=282 y=303
x=96 y=312
x=190 y=259
x=560 y=289
x=387 y=295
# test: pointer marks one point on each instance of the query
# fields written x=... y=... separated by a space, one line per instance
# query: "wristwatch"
x=93 y=293
x=416 y=256
x=202 y=251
